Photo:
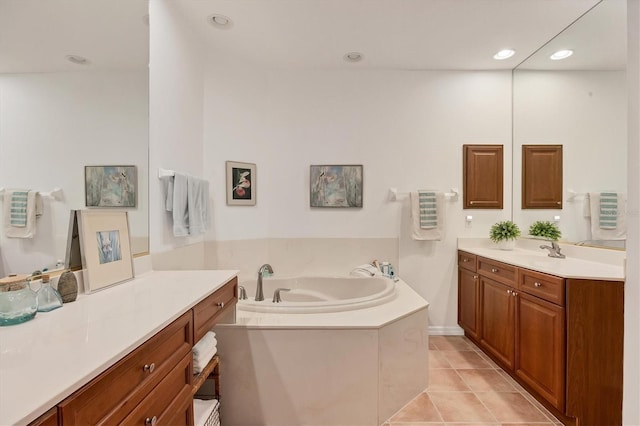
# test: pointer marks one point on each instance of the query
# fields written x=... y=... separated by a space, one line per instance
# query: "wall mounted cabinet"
x=483 y=176
x=542 y=176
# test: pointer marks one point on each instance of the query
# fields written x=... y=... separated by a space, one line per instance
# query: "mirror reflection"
x=73 y=93
x=580 y=103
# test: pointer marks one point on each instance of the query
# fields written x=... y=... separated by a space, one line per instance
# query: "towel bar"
x=165 y=172
x=55 y=194
x=451 y=195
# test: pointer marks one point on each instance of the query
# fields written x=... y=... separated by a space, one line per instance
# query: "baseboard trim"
x=445 y=330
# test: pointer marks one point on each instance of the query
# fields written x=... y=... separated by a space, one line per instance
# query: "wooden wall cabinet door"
x=483 y=176
x=542 y=176
x=498 y=320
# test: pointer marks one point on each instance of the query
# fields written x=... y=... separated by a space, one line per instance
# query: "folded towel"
x=198 y=205
x=592 y=200
x=205 y=412
x=608 y=210
x=201 y=361
x=207 y=342
x=21 y=208
x=434 y=227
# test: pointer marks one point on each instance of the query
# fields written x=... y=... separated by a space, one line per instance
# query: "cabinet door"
x=468 y=302
x=542 y=176
x=483 y=176
x=497 y=323
x=540 y=347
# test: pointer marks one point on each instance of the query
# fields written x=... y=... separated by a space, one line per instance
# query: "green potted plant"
x=545 y=229
x=504 y=234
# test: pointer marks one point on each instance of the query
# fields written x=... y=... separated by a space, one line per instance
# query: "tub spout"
x=264 y=268
x=276 y=294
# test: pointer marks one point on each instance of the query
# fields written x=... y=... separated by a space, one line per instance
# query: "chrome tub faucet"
x=554 y=250
x=264 y=268
x=276 y=294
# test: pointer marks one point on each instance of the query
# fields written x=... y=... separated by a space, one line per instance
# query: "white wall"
x=176 y=105
x=586 y=112
x=406 y=128
x=54 y=124
x=631 y=393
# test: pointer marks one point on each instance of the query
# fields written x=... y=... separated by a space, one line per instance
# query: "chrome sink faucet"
x=554 y=250
x=264 y=268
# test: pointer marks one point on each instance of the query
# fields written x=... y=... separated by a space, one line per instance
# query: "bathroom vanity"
x=555 y=325
x=122 y=355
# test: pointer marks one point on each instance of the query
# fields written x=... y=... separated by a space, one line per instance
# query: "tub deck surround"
x=363 y=364
x=580 y=263
x=48 y=358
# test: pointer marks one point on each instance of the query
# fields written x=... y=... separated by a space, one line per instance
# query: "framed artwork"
x=241 y=184
x=111 y=186
x=336 y=186
x=105 y=248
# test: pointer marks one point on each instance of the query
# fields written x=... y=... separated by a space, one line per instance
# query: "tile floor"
x=467 y=388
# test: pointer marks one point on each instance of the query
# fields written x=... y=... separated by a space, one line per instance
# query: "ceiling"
x=36 y=35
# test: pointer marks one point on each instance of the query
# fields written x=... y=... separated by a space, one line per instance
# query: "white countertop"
x=578 y=263
x=44 y=360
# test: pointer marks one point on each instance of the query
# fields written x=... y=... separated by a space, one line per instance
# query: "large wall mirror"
x=73 y=93
x=580 y=103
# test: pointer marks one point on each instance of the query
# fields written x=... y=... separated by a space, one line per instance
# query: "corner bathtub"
x=319 y=294
x=337 y=351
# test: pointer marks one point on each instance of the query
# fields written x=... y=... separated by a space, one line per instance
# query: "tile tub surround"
x=580 y=262
x=343 y=368
x=466 y=387
x=48 y=358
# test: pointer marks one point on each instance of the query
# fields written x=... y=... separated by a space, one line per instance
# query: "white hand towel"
x=203 y=410
x=167 y=191
x=597 y=232
x=198 y=205
x=20 y=218
x=205 y=344
x=180 y=206
x=435 y=233
x=200 y=362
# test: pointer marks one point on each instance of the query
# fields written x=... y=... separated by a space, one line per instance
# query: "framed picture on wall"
x=241 y=184
x=336 y=186
x=105 y=248
x=111 y=186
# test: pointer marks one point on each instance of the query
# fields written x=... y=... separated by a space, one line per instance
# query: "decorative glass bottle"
x=18 y=303
x=48 y=297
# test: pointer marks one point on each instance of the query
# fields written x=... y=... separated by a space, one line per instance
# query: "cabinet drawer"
x=50 y=418
x=113 y=394
x=166 y=400
x=207 y=312
x=498 y=271
x=547 y=287
x=467 y=260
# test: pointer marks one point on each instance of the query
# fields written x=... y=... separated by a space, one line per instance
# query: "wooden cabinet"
x=542 y=176
x=468 y=294
x=50 y=418
x=560 y=338
x=483 y=176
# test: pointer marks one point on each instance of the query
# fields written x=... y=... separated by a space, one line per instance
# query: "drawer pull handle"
x=149 y=367
x=220 y=305
x=465 y=260
x=151 y=421
x=494 y=270
x=537 y=284
x=509 y=292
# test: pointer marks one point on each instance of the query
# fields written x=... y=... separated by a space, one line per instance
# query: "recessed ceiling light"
x=353 y=57
x=78 y=60
x=561 y=54
x=220 y=21
x=504 y=54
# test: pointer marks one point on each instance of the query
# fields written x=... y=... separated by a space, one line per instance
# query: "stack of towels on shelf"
x=203 y=351
x=187 y=198
x=206 y=413
x=21 y=209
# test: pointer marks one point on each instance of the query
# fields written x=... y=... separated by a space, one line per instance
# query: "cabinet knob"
x=558 y=202
x=514 y=294
x=220 y=305
x=494 y=270
x=151 y=421
x=470 y=202
x=537 y=284
x=148 y=368
x=509 y=292
x=465 y=260
x=475 y=277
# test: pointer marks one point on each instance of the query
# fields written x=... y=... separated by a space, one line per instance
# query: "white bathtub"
x=319 y=294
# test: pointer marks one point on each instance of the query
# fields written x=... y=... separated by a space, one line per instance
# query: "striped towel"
x=428 y=209
x=18 y=217
x=608 y=210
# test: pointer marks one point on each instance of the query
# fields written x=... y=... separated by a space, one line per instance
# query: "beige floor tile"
x=488 y=359
x=421 y=409
x=446 y=380
x=485 y=380
x=460 y=407
x=438 y=360
x=466 y=359
x=511 y=407
x=526 y=424
x=451 y=343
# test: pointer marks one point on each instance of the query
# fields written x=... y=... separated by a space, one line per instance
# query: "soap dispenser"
x=48 y=297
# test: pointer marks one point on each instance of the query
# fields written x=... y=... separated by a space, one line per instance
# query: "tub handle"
x=242 y=293
x=276 y=294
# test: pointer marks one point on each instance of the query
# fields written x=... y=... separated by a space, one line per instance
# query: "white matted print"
x=241 y=184
x=105 y=248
